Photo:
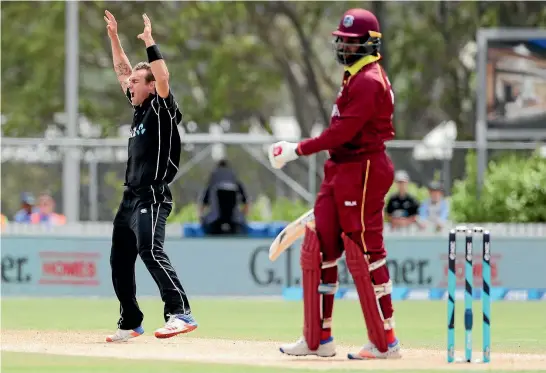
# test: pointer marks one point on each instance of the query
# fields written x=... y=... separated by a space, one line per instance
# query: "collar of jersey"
x=358 y=65
x=147 y=101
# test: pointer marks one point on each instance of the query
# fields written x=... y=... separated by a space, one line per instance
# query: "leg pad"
x=358 y=266
x=310 y=261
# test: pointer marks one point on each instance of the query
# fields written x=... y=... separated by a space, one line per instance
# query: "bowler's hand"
x=147 y=33
x=282 y=152
x=111 y=24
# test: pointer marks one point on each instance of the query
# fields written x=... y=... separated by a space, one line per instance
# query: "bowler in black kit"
x=154 y=156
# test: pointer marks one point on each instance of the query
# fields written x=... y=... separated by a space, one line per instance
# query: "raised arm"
x=122 y=66
x=159 y=68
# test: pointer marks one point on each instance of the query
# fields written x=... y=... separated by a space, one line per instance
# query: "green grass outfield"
x=516 y=327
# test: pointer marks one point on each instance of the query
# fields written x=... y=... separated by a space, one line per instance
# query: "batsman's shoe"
x=122 y=335
x=327 y=348
x=177 y=324
x=370 y=352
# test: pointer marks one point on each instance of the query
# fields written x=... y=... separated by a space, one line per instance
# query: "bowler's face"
x=138 y=87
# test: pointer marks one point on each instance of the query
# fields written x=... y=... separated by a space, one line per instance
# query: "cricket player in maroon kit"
x=349 y=206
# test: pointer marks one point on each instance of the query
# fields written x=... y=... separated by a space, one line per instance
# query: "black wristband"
x=153 y=53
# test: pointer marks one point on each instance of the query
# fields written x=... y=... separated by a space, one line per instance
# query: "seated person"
x=46 y=212
x=402 y=208
x=222 y=197
x=435 y=210
x=27 y=209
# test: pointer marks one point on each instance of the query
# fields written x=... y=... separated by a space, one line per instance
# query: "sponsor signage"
x=51 y=266
x=69 y=268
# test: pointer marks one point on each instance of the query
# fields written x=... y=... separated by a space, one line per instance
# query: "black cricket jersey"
x=154 y=142
x=402 y=206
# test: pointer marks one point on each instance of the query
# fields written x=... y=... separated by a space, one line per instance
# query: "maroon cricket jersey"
x=361 y=119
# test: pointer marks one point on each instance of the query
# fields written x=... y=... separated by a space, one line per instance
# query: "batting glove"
x=281 y=153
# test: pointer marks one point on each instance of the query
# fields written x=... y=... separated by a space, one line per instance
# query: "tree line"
x=245 y=62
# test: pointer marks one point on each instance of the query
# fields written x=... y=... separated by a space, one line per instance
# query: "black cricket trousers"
x=139 y=229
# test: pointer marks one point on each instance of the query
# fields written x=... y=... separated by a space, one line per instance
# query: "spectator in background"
x=222 y=197
x=435 y=210
x=27 y=209
x=46 y=212
x=402 y=208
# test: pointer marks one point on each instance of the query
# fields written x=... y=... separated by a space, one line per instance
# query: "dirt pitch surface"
x=250 y=353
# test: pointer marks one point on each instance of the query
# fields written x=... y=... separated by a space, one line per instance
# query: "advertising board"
x=60 y=266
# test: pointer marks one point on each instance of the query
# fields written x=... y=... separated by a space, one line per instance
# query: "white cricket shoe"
x=370 y=352
x=177 y=324
x=327 y=348
x=122 y=335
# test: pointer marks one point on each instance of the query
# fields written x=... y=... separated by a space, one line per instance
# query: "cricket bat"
x=289 y=234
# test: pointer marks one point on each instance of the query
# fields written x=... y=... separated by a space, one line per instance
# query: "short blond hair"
x=145 y=66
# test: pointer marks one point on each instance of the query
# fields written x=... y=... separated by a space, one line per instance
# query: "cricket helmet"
x=357 y=28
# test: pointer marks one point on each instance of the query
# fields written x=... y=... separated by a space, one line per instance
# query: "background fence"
x=33 y=165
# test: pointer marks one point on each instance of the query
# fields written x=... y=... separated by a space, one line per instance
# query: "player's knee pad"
x=310 y=257
x=328 y=289
x=360 y=269
x=383 y=289
x=380 y=278
x=329 y=284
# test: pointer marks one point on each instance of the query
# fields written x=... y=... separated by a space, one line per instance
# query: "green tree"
x=425 y=40
x=514 y=191
x=246 y=61
x=217 y=66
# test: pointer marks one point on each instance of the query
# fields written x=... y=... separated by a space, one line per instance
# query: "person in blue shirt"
x=434 y=210
x=27 y=209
